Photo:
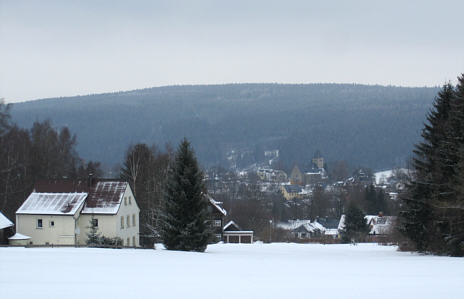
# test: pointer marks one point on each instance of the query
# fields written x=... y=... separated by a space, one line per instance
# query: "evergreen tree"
x=185 y=215
x=356 y=227
x=432 y=216
x=417 y=215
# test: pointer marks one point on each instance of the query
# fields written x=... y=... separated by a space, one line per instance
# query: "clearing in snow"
x=229 y=271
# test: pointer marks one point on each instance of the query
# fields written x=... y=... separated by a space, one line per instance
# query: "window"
x=128 y=221
x=128 y=242
x=217 y=223
x=52 y=223
x=125 y=201
x=130 y=200
x=122 y=221
x=218 y=237
x=95 y=222
x=133 y=219
x=133 y=241
x=39 y=223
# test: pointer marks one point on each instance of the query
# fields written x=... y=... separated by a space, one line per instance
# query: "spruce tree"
x=356 y=227
x=452 y=208
x=434 y=172
x=185 y=214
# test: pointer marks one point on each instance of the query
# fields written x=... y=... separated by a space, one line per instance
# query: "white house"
x=60 y=212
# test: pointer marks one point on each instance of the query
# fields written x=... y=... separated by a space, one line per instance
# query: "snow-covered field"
x=229 y=271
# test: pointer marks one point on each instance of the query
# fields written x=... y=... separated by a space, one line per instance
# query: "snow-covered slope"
x=229 y=271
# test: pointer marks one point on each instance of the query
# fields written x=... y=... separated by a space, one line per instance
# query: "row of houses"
x=61 y=212
x=379 y=225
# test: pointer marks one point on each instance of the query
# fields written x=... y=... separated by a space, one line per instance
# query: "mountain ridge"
x=248 y=117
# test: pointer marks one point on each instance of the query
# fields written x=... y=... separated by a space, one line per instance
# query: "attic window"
x=52 y=223
x=130 y=200
x=39 y=223
x=95 y=222
x=125 y=200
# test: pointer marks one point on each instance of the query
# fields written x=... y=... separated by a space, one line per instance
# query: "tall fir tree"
x=417 y=215
x=185 y=213
x=356 y=227
x=432 y=211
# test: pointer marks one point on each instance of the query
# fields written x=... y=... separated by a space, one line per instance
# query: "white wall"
x=128 y=208
x=62 y=233
x=110 y=225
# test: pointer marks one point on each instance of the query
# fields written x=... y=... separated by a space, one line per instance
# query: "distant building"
x=318 y=160
x=307 y=229
x=217 y=214
x=234 y=234
x=60 y=212
x=292 y=191
x=296 y=177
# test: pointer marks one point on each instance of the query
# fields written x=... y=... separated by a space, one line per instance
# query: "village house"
x=307 y=229
x=6 y=229
x=290 y=192
x=234 y=234
x=380 y=226
x=217 y=214
x=60 y=212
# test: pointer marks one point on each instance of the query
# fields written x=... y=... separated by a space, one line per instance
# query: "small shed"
x=6 y=229
x=234 y=234
x=19 y=240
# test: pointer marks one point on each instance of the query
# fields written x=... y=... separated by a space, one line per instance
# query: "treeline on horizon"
x=370 y=126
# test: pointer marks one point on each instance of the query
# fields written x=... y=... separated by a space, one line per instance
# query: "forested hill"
x=372 y=126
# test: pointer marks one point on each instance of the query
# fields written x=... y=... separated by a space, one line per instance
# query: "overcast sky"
x=64 y=48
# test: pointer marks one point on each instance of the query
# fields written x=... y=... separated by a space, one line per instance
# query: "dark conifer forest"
x=371 y=126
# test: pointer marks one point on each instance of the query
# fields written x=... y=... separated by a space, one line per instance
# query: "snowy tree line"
x=28 y=155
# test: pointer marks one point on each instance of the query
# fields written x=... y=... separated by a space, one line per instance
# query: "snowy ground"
x=229 y=271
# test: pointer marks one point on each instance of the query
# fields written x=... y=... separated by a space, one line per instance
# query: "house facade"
x=233 y=234
x=217 y=214
x=60 y=212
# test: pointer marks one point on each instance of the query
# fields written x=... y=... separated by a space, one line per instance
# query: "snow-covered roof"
x=382 y=177
x=238 y=232
x=217 y=205
x=229 y=224
x=300 y=225
x=293 y=188
x=4 y=222
x=105 y=197
x=331 y=232
x=19 y=236
x=52 y=203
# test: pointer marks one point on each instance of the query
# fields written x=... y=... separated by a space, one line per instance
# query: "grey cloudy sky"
x=63 y=48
